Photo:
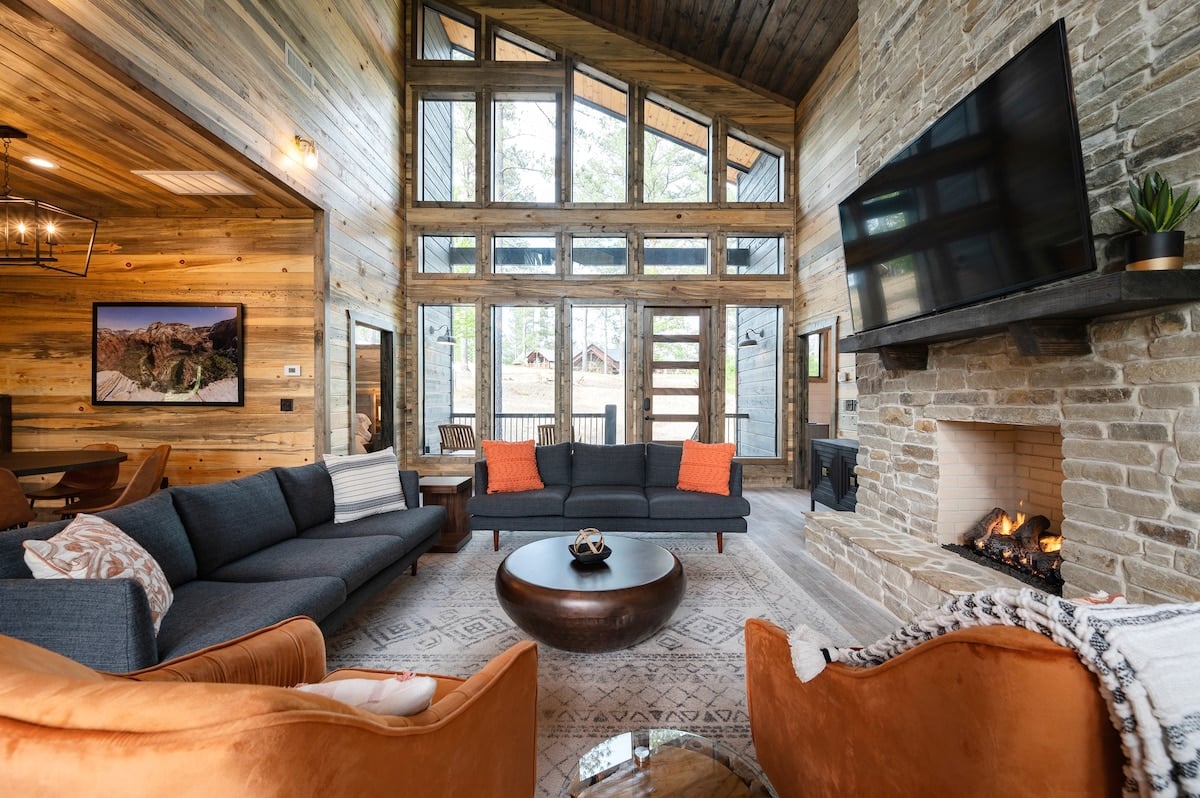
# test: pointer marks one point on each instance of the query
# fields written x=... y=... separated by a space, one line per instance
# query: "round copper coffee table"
x=615 y=604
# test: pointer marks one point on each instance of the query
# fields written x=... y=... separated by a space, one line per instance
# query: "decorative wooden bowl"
x=589 y=548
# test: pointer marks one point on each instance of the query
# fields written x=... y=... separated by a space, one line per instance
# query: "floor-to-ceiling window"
x=447 y=373
x=524 y=363
x=577 y=217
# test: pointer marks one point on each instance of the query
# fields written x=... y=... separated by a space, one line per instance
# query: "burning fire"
x=1023 y=543
x=1007 y=524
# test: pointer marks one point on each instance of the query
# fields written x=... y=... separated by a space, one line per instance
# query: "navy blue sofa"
x=239 y=555
x=621 y=488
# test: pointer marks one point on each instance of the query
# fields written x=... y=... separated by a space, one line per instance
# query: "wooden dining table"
x=50 y=461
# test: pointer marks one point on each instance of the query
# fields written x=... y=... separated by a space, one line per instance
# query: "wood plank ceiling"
x=776 y=47
x=97 y=126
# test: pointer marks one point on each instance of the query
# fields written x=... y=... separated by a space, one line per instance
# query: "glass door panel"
x=677 y=368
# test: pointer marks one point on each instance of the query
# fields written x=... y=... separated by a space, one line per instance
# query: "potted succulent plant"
x=1156 y=213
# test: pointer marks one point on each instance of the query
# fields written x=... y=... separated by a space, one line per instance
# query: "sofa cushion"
x=554 y=463
x=364 y=484
x=206 y=613
x=673 y=503
x=410 y=526
x=547 y=501
x=662 y=465
x=618 y=501
x=353 y=560
x=308 y=491
x=704 y=467
x=512 y=466
x=154 y=523
x=225 y=521
x=12 y=552
x=93 y=548
x=597 y=464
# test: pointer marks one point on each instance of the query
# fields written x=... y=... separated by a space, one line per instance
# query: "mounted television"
x=988 y=201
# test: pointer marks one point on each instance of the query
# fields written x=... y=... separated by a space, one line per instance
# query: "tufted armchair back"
x=220 y=722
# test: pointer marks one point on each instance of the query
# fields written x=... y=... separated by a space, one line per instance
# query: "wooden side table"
x=451 y=493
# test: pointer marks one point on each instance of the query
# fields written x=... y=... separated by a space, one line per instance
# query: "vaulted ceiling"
x=99 y=128
x=777 y=47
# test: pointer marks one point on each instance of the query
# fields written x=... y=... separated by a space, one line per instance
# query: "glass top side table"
x=664 y=763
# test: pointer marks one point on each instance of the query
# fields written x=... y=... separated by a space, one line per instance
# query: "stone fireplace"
x=1105 y=444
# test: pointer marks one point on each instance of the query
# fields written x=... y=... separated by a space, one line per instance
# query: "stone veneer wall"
x=1129 y=413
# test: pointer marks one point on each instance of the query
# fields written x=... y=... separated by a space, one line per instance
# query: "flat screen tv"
x=988 y=201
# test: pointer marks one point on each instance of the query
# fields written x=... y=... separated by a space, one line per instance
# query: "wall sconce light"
x=750 y=340
x=308 y=151
x=445 y=338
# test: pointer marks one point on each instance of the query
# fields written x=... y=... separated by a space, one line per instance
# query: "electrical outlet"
x=291 y=371
x=286 y=405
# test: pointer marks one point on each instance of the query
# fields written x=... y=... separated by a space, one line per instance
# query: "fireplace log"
x=990 y=524
x=1045 y=562
x=1029 y=533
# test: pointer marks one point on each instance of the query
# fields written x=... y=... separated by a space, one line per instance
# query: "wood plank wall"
x=221 y=63
x=827 y=169
x=264 y=264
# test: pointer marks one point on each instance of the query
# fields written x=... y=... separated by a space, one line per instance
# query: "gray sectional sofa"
x=621 y=488
x=239 y=555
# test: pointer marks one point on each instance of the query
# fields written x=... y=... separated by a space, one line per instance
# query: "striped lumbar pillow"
x=364 y=484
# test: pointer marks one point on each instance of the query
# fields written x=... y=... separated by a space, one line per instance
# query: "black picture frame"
x=168 y=353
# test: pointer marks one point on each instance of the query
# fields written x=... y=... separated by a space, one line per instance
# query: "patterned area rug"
x=691 y=675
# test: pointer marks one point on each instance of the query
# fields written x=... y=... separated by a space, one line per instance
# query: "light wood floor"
x=776 y=525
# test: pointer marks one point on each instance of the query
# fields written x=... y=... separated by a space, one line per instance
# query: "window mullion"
x=637 y=133
x=483 y=147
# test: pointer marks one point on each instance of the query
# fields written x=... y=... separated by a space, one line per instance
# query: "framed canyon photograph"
x=147 y=353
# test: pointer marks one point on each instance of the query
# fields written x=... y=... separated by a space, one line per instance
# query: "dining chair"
x=14 y=510
x=146 y=480
x=456 y=437
x=546 y=434
x=81 y=483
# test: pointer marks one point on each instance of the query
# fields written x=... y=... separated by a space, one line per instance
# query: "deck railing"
x=587 y=427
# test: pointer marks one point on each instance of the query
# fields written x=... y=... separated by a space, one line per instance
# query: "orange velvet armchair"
x=217 y=722
x=996 y=711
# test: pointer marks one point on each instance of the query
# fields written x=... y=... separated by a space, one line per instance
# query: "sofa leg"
x=414 y=568
x=720 y=543
x=495 y=540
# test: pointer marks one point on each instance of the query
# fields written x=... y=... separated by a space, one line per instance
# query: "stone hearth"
x=1129 y=419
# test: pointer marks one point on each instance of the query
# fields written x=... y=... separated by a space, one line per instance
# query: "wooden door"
x=676 y=374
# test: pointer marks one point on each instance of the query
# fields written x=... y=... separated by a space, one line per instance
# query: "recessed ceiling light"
x=41 y=162
x=199 y=183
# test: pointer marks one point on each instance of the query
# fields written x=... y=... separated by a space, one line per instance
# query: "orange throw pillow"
x=704 y=467
x=512 y=466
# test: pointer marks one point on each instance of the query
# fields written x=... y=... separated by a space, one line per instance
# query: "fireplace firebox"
x=1026 y=547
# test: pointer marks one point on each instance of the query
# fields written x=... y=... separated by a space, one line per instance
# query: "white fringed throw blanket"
x=1146 y=658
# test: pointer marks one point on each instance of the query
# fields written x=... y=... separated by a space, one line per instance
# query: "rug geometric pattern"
x=690 y=675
